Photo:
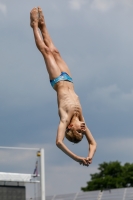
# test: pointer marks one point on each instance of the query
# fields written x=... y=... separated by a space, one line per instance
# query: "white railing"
x=113 y=194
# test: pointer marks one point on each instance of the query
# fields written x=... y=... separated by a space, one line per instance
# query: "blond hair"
x=73 y=136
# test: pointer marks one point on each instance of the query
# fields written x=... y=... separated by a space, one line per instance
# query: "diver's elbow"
x=59 y=143
x=95 y=145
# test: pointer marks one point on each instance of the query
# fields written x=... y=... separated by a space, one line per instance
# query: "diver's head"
x=75 y=131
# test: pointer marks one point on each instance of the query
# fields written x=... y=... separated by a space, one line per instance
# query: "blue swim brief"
x=63 y=77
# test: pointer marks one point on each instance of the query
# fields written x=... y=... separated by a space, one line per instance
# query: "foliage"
x=111 y=175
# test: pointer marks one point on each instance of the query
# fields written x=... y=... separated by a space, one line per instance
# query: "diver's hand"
x=89 y=160
x=83 y=161
x=86 y=161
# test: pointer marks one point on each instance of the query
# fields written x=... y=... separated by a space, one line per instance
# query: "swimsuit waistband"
x=63 y=77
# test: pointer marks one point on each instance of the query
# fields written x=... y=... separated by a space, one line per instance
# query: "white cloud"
x=3 y=8
x=29 y=89
x=76 y=4
x=105 y=5
x=71 y=177
x=18 y=161
x=128 y=2
x=102 y=5
x=113 y=97
x=115 y=149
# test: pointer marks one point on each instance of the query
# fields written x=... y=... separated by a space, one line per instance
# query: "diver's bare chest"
x=68 y=100
x=67 y=110
x=69 y=104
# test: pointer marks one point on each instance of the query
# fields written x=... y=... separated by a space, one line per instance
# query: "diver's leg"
x=48 y=41
x=52 y=67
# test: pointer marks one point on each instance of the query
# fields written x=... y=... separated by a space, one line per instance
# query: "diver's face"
x=78 y=126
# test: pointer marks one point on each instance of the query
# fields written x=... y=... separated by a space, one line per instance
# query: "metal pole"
x=19 y=148
x=42 y=176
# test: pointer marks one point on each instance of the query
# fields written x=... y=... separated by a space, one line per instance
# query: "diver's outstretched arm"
x=59 y=142
x=92 y=145
x=91 y=141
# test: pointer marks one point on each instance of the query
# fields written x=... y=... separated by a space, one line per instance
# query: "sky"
x=95 y=38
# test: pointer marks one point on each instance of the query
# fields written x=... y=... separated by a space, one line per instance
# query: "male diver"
x=72 y=124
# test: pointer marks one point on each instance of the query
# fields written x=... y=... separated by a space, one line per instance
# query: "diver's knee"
x=55 y=51
x=45 y=50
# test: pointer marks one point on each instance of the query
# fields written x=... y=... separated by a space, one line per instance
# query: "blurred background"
x=95 y=38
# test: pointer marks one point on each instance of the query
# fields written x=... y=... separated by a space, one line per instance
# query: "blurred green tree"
x=111 y=175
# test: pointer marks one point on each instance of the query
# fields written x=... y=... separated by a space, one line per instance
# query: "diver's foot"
x=41 y=22
x=34 y=17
